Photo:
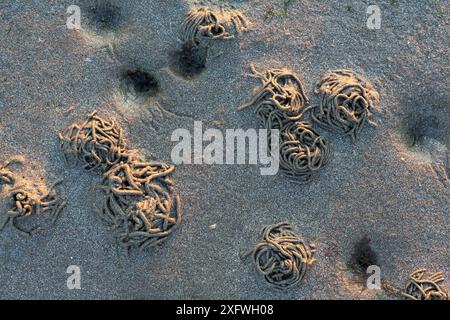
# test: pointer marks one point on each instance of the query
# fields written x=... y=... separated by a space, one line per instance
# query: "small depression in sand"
x=137 y=97
x=426 y=141
x=104 y=17
x=363 y=256
x=103 y=26
x=190 y=61
x=139 y=84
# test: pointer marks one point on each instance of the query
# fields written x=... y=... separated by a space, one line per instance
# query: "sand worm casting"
x=281 y=257
x=213 y=24
x=254 y=150
x=32 y=202
x=139 y=203
x=96 y=144
x=425 y=285
x=302 y=151
x=280 y=104
x=7 y=177
x=281 y=98
x=346 y=102
x=138 y=199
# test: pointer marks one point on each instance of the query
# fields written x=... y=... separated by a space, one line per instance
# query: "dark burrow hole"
x=139 y=84
x=190 y=60
x=417 y=127
x=362 y=257
x=105 y=16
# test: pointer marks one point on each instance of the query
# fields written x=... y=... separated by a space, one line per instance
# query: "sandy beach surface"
x=391 y=185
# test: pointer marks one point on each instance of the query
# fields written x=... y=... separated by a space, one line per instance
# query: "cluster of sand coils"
x=139 y=203
x=281 y=257
x=281 y=103
x=421 y=285
x=346 y=103
x=213 y=24
x=31 y=206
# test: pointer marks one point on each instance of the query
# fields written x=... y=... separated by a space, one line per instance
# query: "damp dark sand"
x=390 y=186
